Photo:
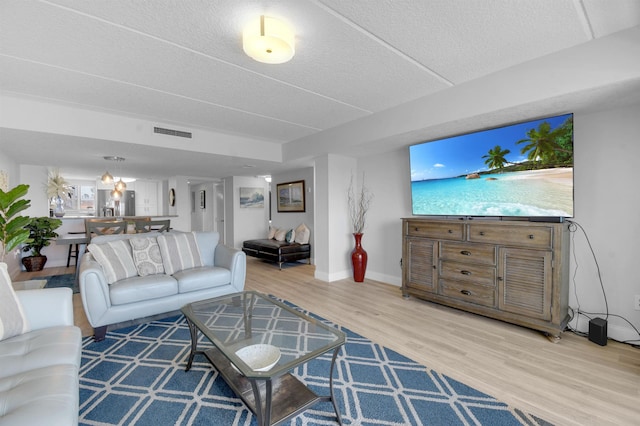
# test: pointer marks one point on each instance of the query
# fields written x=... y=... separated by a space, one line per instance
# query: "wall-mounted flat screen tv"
x=519 y=170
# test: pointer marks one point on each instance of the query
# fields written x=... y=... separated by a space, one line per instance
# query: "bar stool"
x=74 y=240
x=74 y=250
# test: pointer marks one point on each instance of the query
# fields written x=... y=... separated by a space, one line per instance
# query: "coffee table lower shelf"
x=289 y=396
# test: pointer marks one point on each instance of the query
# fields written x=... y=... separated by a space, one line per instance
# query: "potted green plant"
x=13 y=231
x=41 y=232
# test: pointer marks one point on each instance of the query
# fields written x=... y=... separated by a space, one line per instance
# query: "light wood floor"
x=573 y=382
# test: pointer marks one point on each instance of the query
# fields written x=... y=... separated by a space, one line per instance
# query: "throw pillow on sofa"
x=179 y=251
x=146 y=256
x=290 y=236
x=302 y=234
x=280 y=234
x=12 y=319
x=272 y=232
x=115 y=258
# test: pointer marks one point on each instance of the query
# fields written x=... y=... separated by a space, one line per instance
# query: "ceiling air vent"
x=172 y=132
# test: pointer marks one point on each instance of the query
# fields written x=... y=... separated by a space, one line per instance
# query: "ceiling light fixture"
x=107 y=178
x=268 y=40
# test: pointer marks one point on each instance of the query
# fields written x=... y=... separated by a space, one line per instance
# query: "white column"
x=333 y=235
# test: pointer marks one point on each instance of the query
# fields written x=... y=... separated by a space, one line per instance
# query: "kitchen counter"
x=127 y=218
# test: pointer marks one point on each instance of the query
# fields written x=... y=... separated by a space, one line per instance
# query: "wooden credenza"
x=514 y=271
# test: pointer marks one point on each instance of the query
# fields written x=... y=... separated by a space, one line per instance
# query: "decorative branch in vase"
x=359 y=204
x=58 y=190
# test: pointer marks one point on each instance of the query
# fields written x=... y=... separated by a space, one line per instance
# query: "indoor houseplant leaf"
x=13 y=231
x=41 y=232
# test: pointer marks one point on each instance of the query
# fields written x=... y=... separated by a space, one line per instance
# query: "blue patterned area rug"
x=66 y=280
x=136 y=376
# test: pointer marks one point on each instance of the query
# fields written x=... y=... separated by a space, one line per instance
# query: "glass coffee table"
x=257 y=341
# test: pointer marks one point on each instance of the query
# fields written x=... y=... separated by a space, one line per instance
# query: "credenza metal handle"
x=481 y=233
x=465 y=292
x=531 y=237
x=463 y=272
x=465 y=253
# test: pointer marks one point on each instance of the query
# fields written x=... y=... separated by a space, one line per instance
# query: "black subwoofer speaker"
x=598 y=331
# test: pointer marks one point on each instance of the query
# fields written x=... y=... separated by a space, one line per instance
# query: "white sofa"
x=39 y=369
x=222 y=272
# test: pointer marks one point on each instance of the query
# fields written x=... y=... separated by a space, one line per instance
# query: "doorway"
x=207 y=207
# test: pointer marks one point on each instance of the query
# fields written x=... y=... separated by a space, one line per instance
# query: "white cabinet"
x=146 y=198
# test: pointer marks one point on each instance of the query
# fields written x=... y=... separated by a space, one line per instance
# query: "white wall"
x=202 y=218
x=388 y=178
x=244 y=223
x=606 y=205
x=333 y=233
x=182 y=208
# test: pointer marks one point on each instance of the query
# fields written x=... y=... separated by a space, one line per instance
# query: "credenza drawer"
x=470 y=272
x=480 y=295
x=463 y=252
x=444 y=231
x=519 y=236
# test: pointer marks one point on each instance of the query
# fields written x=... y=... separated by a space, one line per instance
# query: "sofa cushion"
x=146 y=256
x=302 y=234
x=199 y=278
x=280 y=234
x=12 y=319
x=179 y=251
x=290 y=236
x=139 y=289
x=41 y=396
x=40 y=348
x=115 y=259
x=272 y=232
x=207 y=245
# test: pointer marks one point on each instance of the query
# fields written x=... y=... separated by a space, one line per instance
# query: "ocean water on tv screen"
x=534 y=193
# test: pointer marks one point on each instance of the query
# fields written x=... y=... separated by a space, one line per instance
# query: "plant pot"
x=34 y=263
x=359 y=260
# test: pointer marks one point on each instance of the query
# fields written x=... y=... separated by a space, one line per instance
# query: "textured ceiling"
x=181 y=63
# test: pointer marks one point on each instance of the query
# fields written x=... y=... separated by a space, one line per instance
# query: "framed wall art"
x=291 y=196
x=202 y=199
x=251 y=198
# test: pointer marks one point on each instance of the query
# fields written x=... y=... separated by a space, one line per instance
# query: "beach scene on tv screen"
x=524 y=169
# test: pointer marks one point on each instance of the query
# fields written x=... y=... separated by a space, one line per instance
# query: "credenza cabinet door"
x=525 y=282
x=420 y=273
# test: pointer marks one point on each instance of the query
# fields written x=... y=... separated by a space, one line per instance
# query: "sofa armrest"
x=47 y=307
x=94 y=290
x=234 y=260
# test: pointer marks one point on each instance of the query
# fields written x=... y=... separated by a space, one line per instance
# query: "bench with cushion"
x=281 y=245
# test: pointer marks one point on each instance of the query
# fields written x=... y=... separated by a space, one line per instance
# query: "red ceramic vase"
x=359 y=260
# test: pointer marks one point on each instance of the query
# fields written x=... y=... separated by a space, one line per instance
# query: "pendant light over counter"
x=107 y=178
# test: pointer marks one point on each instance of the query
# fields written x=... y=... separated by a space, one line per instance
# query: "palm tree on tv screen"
x=495 y=159
x=547 y=145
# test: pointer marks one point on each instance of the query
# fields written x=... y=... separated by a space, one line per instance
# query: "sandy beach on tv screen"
x=562 y=175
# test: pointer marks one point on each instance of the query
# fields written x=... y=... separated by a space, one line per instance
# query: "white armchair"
x=39 y=374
